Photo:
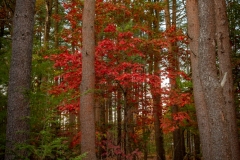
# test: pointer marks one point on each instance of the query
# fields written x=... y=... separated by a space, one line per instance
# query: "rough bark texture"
x=217 y=100
x=199 y=101
x=209 y=80
x=88 y=82
x=20 y=77
x=225 y=69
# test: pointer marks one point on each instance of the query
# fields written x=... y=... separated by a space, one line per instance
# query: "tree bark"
x=158 y=131
x=225 y=70
x=56 y=26
x=197 y=150
x=20 y=78
x=119 y=122
x=88 y=82
x=213 y=84
x=199 y=101
x=47 y=26
x=157 y=106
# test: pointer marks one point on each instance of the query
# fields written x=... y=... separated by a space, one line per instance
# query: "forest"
x=119 y=79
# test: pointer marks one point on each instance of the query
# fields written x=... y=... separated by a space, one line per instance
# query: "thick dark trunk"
x=20 y=78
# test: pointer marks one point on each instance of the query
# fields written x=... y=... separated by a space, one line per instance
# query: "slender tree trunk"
x=197 y=150
x=154 y=69
x=20 y=78
x=48 y=4
x=167 y=14
x=119 y=122
x=158 y=131
x=103 y=129
x=72 y=125
x=110 y=110
x=188 y=141
x=56 y=27
x=158 y=108
x=178 y=143
x=126 y=124
x=178 y=136
x=200 y=103
x=88 y=82
x=144 y=127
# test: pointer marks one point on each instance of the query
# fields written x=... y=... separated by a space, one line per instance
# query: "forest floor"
x=141 y=158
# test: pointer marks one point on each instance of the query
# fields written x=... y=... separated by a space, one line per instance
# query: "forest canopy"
x=119 y=79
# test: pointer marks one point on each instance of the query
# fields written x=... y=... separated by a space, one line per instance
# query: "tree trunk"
x=197 y=150
x=158 y=131
x=157 y=108
x=178 y=144
x=110 y=111
x=167 y=14
x=154 y=66
x=214 y=85
x=48 y=4
x=119 y=121
x=225 y=70
x=88 y=82
x=125 y=125
x=200 y=104
x=178 y=136
x=56 y=26
x=144 y=127
x=20 y=78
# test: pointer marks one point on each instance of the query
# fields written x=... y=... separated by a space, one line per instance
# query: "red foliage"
x=76 y=140
x=120 y=61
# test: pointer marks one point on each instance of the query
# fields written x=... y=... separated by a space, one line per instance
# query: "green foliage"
x=46 y=141
x=79 y=157
x=49 y=147
x=46 y=146
x=136 y=59
x=126 y=26
x=5 y=51
x=233 y=10
x=184 y=85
